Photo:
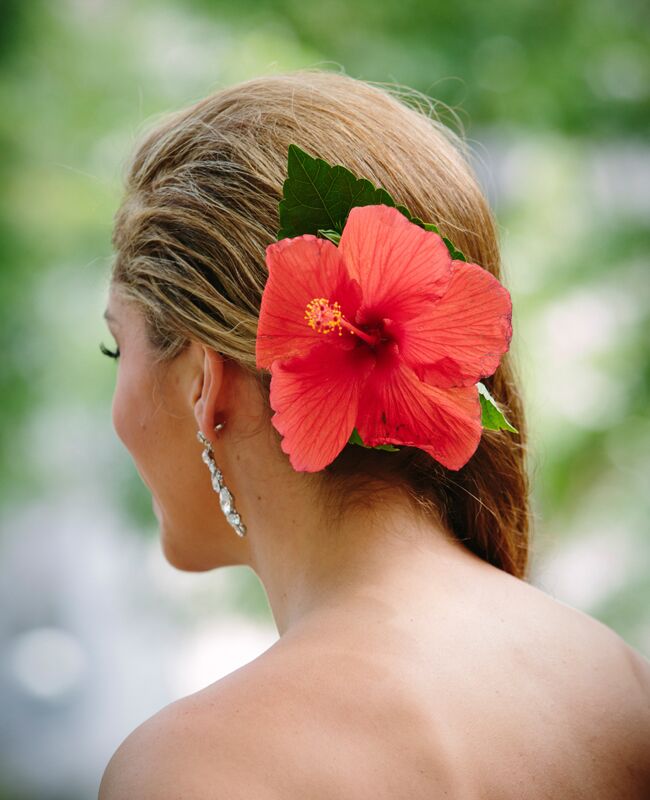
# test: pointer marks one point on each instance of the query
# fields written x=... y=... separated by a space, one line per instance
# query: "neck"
x=311 y=567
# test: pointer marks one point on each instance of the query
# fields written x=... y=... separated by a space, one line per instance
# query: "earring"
x=226 y=500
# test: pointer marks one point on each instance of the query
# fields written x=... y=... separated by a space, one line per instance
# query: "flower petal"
x=300 y=269
x=463 y=336
x=400 y=267
x=398 y=408
x=316 y=399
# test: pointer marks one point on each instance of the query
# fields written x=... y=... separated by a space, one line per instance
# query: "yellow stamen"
x=323 y=316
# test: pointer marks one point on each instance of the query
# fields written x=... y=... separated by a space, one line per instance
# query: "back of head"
x=201 y=206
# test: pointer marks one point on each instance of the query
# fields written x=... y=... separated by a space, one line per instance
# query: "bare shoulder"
x=603 y=681
x=206 y=745
x=287 y=725
x=245 y=736
x=580 y=644
x=605 y=656
x=340 y=708
x=623 y=672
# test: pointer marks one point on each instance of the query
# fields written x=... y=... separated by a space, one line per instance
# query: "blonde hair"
x=201 y=206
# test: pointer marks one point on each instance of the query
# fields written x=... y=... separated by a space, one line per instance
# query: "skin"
x=406 y=666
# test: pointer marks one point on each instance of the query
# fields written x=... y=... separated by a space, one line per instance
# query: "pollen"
x=323 y=316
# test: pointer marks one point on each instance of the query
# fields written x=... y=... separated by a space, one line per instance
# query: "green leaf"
x=429 y=226
x=455 y=254
x=356 y=439
x=317 y=198
x=453 y=250
x=333 y=236
x=491 y=417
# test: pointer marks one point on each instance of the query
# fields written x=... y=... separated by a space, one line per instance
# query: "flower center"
x=325 y=317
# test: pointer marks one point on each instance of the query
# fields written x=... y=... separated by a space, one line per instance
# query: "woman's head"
x=200 y=208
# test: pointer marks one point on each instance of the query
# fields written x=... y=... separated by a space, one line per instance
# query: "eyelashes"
x=110 y=353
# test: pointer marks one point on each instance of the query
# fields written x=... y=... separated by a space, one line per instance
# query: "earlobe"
x=208 y=390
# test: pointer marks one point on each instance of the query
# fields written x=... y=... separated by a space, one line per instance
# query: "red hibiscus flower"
x=385 y=333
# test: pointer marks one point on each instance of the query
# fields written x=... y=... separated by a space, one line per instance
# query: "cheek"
x=149 y=429
x=116 y=411
x=130 y=416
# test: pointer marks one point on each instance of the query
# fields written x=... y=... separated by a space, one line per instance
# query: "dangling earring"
x=226 y=500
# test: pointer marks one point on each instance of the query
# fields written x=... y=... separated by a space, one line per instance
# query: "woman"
x=414 y=660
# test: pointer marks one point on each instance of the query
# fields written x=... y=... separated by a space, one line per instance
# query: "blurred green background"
x=98 y=632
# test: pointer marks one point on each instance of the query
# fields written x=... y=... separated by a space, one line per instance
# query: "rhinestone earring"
x=226 y=500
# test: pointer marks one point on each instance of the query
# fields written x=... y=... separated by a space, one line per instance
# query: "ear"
x=208 y=395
